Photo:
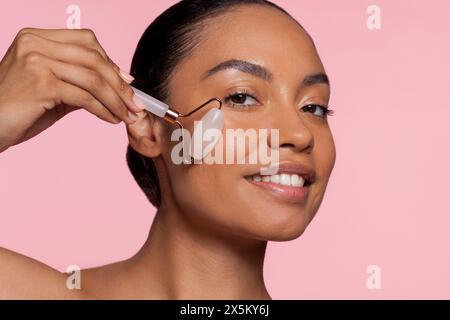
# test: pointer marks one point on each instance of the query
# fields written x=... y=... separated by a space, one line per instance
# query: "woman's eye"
x=241 y=100
x=317 y=110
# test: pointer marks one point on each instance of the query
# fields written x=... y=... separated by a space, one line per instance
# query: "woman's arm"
x=25 y=278
x=44 y=75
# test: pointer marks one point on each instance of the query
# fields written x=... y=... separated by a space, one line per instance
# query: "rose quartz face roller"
x=213 y=119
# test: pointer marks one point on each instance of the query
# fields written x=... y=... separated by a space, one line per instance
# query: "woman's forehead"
x=247 y=34
x=254 y=22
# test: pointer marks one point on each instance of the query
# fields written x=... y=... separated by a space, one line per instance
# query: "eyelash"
x=238 y=106
x=228 y=100
x=326 y=111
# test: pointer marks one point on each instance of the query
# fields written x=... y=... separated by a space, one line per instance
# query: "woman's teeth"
x=293 y=180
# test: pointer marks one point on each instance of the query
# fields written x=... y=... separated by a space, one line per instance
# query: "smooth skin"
x=209 y=236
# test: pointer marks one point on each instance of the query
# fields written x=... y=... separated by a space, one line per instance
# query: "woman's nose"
x=293 y=131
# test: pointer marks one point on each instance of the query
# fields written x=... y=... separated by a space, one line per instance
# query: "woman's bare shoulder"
x=22 y=277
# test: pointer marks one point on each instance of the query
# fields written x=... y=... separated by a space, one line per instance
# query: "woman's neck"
x=182 y=261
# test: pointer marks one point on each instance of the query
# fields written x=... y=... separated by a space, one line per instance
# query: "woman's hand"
x=46 y=74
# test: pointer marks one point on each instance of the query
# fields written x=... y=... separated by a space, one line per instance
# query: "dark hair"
x=169 y=39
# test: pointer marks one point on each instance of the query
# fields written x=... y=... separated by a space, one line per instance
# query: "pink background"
x=65 y=201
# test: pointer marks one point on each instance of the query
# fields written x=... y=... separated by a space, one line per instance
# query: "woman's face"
x=225 y=197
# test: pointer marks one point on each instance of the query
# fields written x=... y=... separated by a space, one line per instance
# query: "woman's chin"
x=287 y=234
x=280 y=229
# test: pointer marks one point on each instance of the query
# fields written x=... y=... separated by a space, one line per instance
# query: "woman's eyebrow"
x=241 y=65
x=316 y=78
x=261 y=72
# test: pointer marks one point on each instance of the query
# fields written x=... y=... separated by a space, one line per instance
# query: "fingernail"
x=138 y=102
x=132 y=116
x=127 y=77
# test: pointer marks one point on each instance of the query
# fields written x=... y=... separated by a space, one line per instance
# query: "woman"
x=209 y=236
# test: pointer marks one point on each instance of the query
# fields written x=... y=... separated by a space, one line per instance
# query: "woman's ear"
x=145 y=135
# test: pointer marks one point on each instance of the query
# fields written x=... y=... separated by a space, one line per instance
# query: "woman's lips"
x=290 y=194
x=290 y=182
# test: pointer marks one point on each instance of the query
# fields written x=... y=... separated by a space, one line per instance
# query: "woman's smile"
x=291 y=183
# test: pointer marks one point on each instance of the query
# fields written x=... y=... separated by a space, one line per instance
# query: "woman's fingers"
x=78 y=55
x=74 y=97
x=71 y=98
x=90 y=81
x=46 y=74
x=82 y=37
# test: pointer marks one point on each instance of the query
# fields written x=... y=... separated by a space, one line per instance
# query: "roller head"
x=207 y=132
